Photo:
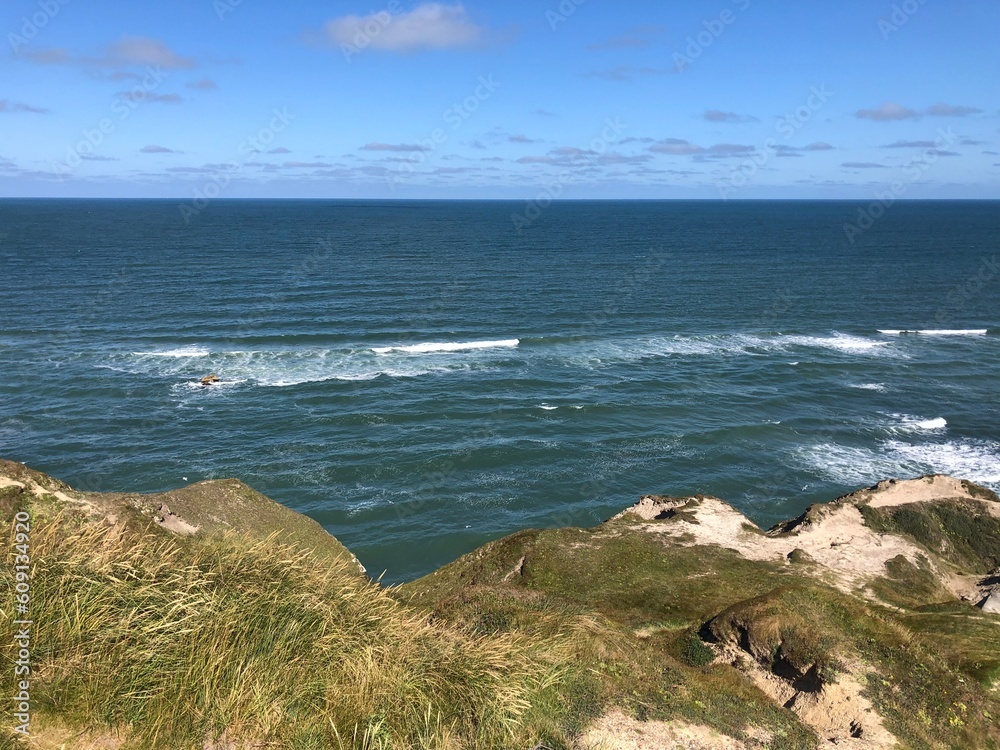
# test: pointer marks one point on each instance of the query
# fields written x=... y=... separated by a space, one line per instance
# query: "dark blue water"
x=422 y=377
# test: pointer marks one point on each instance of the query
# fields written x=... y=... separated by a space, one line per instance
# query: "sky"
x=521 y=99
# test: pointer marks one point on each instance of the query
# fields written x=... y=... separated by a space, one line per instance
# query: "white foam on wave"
x=879 y=387
x=939 y=332
x=547 y=407
x=447 y=346
x=743 y=344
x=602 y=352
x=908 y=423
x=978 y=461
x=284 y=368
x=839 y=342
x=181 y=353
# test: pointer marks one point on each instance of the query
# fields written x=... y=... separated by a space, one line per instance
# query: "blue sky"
x=725 y=99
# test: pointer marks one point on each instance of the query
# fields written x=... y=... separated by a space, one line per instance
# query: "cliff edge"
x=212 y=617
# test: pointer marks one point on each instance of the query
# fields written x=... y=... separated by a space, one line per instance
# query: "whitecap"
x=909 y=423
x=840 y=342
x=879 y=387
x=447 y=346
x=938 y=332
x=977 y=461
x=184 y=351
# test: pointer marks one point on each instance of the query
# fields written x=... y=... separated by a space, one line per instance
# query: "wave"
x=839 y=342
x=878 y=387
x=741 y=344
x=907 y=423
x=181 y=353
x=938 y=332
x=283 y=368
x=451 y=346
x=294 y=366
x=978 y=461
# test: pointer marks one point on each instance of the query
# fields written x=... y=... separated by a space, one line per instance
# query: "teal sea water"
x=422 y=377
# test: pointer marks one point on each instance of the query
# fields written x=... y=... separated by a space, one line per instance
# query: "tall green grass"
x=173 y=642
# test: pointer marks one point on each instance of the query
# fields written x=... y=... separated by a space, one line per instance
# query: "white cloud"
x=428 y=26
x=127 y=52
x=952 y=110
x=8 y=106
x=716 y=115
x=676 y=147
x=205 y=84
x=886 y=113
x=405 y=147
x=144 y=50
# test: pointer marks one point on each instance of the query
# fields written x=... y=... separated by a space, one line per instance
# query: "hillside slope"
x=211 y=617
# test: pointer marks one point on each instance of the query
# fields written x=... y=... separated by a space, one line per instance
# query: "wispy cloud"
x=47 y=56
x=572 y=157
x=638 y=36
x=676 y=147
x=625 y=41
x=404 y=147
x=862 y=165
x=280 y=150
x=428 y=26
x=887 y=112
x=204 y=84
x=787 y=151
x=910 y=144
x=681 y=147
x=143 y=95
x=624 y=73
x=717 y=115
x=144 y=50
x=519 y=138
x=952 y=110
x=127 y=52
x=9 y=106
x=890 y=111
x=154 y=149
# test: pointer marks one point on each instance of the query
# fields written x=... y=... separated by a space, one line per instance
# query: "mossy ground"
x=528 y=640
x=929 y=670
x=960 y=531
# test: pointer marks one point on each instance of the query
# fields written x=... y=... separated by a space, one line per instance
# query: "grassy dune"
x=235 y=637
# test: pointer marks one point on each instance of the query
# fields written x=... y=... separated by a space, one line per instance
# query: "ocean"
x=422 y=377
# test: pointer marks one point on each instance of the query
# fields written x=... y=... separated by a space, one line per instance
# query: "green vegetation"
x=959 y=531
x=239 y=636
x=176 y=641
